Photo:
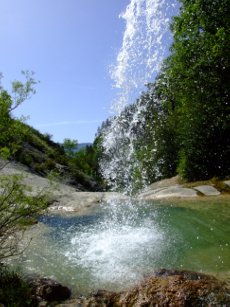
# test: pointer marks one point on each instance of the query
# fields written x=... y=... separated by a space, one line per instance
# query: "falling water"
x=146 y=42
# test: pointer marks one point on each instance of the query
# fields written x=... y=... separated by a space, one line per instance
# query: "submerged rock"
x=168 y=288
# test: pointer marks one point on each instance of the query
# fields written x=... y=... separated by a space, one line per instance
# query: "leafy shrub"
x=14 y=291
x=16 y=207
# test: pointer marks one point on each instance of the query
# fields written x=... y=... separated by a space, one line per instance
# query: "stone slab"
x=227 y=182
x=172 y=192
x=207 y=190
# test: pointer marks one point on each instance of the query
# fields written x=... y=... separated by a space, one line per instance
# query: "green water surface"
x=114 y=248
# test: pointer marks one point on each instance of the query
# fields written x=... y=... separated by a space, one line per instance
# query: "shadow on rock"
x=45 y=289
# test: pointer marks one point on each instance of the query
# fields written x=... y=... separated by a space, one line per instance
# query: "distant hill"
x=82 y=145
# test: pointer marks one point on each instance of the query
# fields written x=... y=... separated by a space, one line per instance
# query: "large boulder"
x=168 y=288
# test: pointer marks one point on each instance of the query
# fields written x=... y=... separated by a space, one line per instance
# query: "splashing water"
x=120 y=246
x=145 y=44
x=112 y=251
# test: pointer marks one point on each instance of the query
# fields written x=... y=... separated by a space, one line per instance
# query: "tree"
x=70 y=147
x=16 y=203
x=17 y=208
x=199 y=69
x=12 y=131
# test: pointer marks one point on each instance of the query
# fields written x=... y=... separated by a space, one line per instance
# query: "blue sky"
x=70 y=46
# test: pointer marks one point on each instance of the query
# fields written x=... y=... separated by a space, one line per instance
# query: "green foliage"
x=22 y=91
x=4 y=153
x=13 y=131
x=70 y=147
x=17 y=205
x=199 y=69
x=14 y=291
x=87 y=160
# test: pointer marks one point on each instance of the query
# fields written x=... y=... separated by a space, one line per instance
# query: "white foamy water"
x=116 y=254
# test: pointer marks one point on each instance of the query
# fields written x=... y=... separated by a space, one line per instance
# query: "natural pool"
x=119 y=243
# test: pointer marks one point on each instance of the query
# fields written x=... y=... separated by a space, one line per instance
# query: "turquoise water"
x=118 y=244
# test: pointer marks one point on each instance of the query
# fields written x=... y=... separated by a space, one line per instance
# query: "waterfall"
x=145 y=44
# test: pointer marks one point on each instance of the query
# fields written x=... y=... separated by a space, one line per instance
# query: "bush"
x=16 y=207
x=14 y=291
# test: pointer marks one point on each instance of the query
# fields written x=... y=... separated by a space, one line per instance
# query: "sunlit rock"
x=207 y=190
x=168 y=288
x=174 y=191
x=227 y=182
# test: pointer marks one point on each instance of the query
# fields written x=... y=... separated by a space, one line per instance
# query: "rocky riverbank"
x=165 y=190
x=164 y=288
x=66 y=198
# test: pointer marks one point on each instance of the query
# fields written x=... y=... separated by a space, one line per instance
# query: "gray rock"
x=175 y=191
x=150 y=192
x=83 y=202
x=227 y=182
x=207 y=190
